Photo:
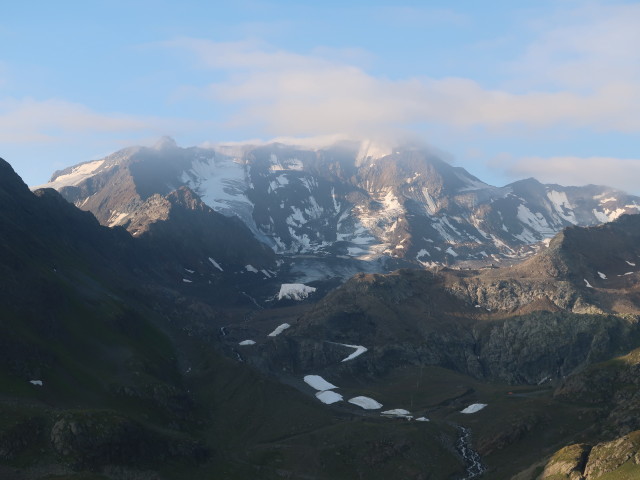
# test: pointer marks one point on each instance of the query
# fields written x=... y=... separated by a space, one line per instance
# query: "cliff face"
x=617 y=459
x=411 y=317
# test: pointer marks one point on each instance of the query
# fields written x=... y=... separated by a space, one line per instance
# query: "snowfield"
x=76 y=176
x=319 y=383
x=294 y=291
x=473 y=408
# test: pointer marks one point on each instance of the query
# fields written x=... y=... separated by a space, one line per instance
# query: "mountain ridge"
x=406 y=205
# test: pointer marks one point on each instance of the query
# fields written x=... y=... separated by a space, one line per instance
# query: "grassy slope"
x=92 y=341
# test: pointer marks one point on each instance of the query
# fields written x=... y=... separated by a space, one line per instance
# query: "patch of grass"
x=627 y=471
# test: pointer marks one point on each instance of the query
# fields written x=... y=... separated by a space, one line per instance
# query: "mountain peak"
x=165 y=142
x=10 y=181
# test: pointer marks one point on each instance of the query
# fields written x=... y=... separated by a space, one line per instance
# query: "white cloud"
x=288 y=93
x=587 y=48
x=251 y=55
x=622 y=173
x=28 y=120
x=420 y=16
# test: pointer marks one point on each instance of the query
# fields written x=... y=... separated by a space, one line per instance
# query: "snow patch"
x=319 y=383
x=295 y=291
x=629 y=263
x=422 y=253
x=534 y=221
x=473 y=408
x=328 y=397
x=116 y=217
x=422 y=419
x=279 y=330
x=587 y=283
x=600 y=216
x=431 y=205
x=602 y=275
x=36 y=382
x=186 y=280
x=336 y=204
x=247 y=342
x=613 y=214
x=76 y=176
x=287 y=164
x=366 y=403
x=359 y=351
x=251 y=268
x=216 y=264
x=562 y=206
x=397 y=413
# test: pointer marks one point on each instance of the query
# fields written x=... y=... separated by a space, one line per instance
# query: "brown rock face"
x=583 y=462
x=608 y=457
x=568 y=463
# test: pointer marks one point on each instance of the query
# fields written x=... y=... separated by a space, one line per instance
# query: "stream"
x=475 y=469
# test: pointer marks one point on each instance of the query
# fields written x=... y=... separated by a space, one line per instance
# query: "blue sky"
x=509 y=90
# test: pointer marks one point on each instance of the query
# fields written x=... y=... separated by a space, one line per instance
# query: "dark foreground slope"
x=109 y=369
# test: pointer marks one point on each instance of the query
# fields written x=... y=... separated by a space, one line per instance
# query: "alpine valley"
x=339 y=312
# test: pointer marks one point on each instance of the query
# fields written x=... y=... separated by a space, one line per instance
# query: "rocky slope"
x=352 y=199
x=617 y=459
x=80 y=355
x=583 y=270
x=529 y=323
x=612 y=450
x=202 y=249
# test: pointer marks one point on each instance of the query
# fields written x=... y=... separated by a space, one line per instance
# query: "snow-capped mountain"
x=351 y=199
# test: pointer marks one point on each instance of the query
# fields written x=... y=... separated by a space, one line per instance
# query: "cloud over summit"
x=581 y=75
